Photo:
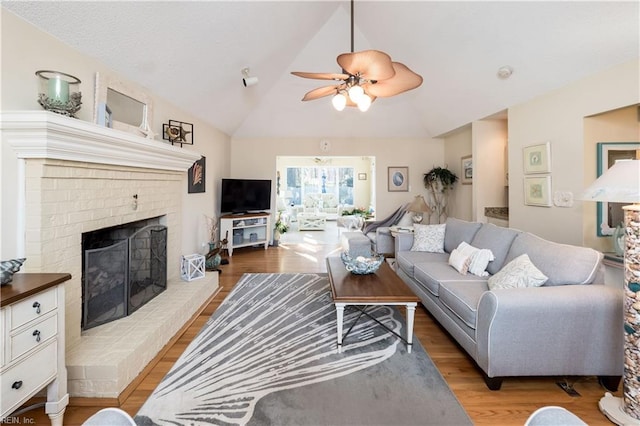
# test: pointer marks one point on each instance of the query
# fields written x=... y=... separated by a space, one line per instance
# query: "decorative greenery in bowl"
x=358 y=211
x=362 y=265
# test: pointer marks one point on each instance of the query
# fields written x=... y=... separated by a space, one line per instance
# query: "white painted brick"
x=65 y=199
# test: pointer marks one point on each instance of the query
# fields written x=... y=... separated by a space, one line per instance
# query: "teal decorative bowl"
x=362 y=265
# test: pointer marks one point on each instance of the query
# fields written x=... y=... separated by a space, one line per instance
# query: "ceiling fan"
x=366 y=75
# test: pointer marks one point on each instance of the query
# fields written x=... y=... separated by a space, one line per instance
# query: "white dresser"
x=32 y=356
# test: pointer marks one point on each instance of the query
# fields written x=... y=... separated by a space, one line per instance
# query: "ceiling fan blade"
x=320 y=75
x=404 y=80
x=370 y=64
x=320 y=92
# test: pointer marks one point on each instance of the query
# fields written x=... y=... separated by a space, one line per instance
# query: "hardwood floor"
x=512 y=405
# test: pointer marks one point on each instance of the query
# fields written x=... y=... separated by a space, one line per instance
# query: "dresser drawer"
x=28 y=376
x=2 y=337
x=33 y=307
x=36 y=334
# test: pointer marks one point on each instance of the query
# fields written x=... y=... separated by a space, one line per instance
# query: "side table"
x=395 y=230
x=33 y=344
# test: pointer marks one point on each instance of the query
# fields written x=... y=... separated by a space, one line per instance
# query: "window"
x=319 y=180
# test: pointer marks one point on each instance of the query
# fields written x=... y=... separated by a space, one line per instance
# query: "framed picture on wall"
x=537 y=191
x=467 y=170
x=398 y=179
x=196 y=175
x=537 y=158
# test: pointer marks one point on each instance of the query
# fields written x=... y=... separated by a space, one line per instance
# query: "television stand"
x=246 y=229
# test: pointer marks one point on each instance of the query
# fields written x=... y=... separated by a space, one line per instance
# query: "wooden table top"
x=24 y=285
x=382 y=286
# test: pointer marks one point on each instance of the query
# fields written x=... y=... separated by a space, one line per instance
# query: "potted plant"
x=438 y=181
x=280 y=228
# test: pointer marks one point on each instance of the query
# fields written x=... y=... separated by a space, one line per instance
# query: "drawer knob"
x=37 y=306
x=17 y=385
x=37 y=334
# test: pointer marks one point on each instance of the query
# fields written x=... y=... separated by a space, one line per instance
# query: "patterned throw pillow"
x=428 y=238
x=480 y=258
x=459 y=261
x=519 y=273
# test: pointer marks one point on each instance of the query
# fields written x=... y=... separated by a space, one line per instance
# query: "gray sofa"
x=570 y=326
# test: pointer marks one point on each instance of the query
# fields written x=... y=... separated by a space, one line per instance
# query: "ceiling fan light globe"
x=364 y=103
x=355 y=93
x=339 y=102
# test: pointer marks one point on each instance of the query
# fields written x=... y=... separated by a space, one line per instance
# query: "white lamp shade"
x=339 y=101
x=355 y=93
x=619 y=184
x=364 y=103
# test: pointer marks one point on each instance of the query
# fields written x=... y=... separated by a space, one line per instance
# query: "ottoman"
x=356 y=244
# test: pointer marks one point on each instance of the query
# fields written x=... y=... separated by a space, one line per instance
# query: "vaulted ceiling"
x=192 y=54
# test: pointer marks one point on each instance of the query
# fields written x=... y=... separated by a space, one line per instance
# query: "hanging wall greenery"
x=438 y=182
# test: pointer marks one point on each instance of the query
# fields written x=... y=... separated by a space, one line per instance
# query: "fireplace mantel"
x=42 y=134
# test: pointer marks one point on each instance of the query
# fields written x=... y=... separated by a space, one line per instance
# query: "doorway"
x=329 y=185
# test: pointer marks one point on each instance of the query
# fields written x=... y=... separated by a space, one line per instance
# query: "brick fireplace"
x=77 y=177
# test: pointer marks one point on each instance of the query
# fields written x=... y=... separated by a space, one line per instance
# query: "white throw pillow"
x=459 y=261
x=480 y=258
x=428 y=238
x=519 y=273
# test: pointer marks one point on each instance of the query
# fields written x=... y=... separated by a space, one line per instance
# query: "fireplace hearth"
x=124 y=267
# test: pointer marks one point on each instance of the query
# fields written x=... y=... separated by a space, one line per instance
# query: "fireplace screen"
x=123 y=268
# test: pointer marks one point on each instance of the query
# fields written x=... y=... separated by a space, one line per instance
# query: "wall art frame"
x=196 y=176
x=398 y=179
x=466 y=168
x=178 y=132
x=610 y=214
x=537 y=191
x=537 y=158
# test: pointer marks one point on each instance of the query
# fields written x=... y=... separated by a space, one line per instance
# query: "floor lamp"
x=621 y=184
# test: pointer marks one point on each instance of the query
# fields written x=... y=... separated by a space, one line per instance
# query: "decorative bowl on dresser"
x=32 y=356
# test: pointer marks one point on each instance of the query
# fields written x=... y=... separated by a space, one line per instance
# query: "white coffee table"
x=312 y=221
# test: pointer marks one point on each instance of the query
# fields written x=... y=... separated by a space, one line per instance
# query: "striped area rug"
x=268 y=356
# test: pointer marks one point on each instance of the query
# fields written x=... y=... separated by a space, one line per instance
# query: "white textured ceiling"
x=192 y=53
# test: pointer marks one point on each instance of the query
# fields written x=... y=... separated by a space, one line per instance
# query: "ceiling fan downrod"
x=352 y=26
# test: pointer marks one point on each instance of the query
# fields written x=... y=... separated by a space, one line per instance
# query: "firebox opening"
x=123 y=267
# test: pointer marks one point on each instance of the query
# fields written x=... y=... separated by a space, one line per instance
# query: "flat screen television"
x=245 y=195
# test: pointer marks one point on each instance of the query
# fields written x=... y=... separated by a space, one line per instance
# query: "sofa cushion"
x=429 y=238
x=458 y=231
x=462 y=297
x=519 y=273
x=562 y=263
x=407 y=259
x=431 y=274
x=498 y=240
